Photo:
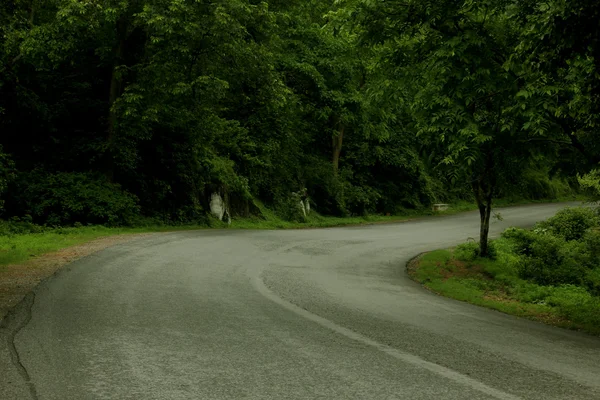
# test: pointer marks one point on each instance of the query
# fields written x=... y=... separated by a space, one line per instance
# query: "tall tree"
x=453 y=58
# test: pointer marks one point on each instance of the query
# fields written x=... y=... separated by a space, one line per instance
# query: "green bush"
x=470 y=251
x=522 y=239
x=532 y=293
x=592 y=281
x=571 y=223
x=576 y=304
x=67 y=198
x=504 y=267
x=467 y=251
x=537 y=184
x=547 y=259
x=19 y=226
x=592 y=244
x=551 y=268
x=289 y=209
x=590 y=184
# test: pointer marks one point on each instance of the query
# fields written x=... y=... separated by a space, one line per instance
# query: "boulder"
x=217 y=206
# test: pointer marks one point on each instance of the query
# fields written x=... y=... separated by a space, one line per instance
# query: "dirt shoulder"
x=17 y=280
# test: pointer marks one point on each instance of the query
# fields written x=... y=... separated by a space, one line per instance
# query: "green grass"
x=21 y=247
x=494 y=284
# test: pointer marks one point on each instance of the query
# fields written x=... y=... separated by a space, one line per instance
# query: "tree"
x=452 y=57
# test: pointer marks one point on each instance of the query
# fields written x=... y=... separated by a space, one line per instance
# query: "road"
x=303 y=314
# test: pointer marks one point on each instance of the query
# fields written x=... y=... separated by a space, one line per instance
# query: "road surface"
x=303 y=314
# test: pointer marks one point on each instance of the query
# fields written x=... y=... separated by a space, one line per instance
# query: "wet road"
x=303 y=314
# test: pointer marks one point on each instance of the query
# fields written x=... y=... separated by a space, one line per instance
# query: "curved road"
x=306 y=314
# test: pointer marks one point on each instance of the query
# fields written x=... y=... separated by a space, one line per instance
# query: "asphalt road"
x=305 y=314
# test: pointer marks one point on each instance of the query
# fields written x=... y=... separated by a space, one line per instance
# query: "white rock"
x=301 y=205
x=217 y=206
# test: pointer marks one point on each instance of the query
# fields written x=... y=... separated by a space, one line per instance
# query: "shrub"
x=504 y=267
x=532 y=293
x=592 y=244
x=590 y=183
x=576 y=304
x=536 y=183
x=290 y=209
x=592 y=281
x=571 y=223
x=568 y=297
x=19 y=226
x=548 y=260
x=467 y=251
x=522 y=239
x=470 y=251
x=67 y=198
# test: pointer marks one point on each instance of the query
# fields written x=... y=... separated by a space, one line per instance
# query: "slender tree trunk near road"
x=337 y=142
x=484 y=204
x=485 y=213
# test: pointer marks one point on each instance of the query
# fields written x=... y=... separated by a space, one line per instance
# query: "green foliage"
x=67 y=198
x=290 y=209
x=548 y=265
x=561 y=250
x=556 y=50
x=536 y=183
x=590 y=183
x=571 y=223
x=19 y=226
x=468 y=251
x=576 y=303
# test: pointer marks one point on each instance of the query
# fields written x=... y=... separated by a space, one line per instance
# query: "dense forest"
x=116 y=111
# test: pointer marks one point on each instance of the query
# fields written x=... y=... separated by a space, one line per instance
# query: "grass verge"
x=493 y=284
x=19 y=248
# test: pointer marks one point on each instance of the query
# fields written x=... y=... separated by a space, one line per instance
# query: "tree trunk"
x=483 y=192
x=485 y=213
x=115 y=91
x=337 y=142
